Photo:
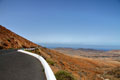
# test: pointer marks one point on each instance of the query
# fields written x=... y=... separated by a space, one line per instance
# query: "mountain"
x=9 y=39
x=82 y=68
x=91 y=53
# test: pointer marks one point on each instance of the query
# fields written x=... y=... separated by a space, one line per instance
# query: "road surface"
x=19 y=66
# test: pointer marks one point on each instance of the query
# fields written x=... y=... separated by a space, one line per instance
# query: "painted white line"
x=48 y=70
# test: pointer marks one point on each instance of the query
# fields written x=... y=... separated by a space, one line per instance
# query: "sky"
x=86 y=22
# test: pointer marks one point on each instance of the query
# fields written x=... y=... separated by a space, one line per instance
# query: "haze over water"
x=76 y=46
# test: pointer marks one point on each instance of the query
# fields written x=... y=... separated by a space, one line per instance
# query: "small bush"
x=1 y=47
x=51 y=62
x=8 y=40
x=64 y=75
x=37 y=51
x=29 y=50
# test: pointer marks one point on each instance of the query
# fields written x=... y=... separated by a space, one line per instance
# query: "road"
x=19 y=66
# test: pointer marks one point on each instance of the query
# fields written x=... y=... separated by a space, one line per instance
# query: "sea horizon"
x=77 y=46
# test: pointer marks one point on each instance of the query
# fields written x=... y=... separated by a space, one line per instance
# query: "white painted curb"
x=48 y=70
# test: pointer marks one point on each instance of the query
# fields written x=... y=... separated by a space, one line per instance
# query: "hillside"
x=114 y=51
x=91 y=53
x=9 y=39
x=82 y=68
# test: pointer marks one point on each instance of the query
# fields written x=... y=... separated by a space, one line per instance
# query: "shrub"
x=64 y=75
x=51 y=62
x=29 y=50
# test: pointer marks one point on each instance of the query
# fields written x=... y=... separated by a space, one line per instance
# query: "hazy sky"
x=95 y=22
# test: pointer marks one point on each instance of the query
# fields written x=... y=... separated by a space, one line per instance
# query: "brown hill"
x=114 y=51
x=82 y=68
x=114 y=54
x=9 y=39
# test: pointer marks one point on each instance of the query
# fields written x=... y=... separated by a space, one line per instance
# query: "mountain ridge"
x=9 y=39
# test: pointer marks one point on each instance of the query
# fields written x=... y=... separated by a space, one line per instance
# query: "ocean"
x=76 y=46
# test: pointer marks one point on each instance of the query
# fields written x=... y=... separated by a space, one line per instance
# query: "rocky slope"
x=9 y=39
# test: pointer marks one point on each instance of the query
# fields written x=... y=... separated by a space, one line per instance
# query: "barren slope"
x=9 y=39
x=81 y=67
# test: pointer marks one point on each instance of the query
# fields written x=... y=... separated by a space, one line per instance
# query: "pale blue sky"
x=90 y=22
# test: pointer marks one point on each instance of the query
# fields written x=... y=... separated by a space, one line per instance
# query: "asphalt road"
x=19 y=66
